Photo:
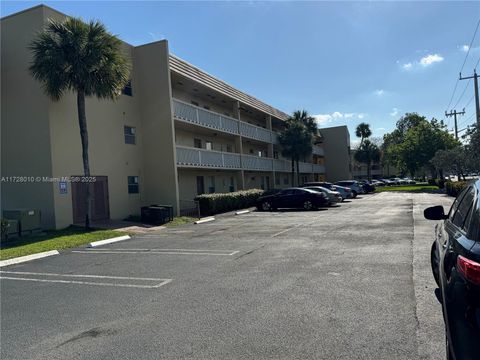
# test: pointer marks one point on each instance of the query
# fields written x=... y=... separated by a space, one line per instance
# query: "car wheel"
x=266 y=206
x=435 y=262
x=307 y=205
x=354 y=194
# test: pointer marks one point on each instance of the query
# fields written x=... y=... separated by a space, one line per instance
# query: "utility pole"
x=477 y=101
x=454 y=113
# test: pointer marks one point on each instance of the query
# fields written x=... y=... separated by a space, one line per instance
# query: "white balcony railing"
x=282 y=165
x=196 y=115
x=192 y=157
x=257 y=163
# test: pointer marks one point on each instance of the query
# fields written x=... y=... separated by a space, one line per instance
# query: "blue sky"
x=344 y=62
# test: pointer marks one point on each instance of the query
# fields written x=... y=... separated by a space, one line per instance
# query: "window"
x=229 y=148
x=133 y=185
x=251 y=151
x=262 y=182
x=464 y=208
x=208 y=145
x=197 y=143
x=454 y=207
x=194 y=103
x=275 y=154
x=260 y=153
x=211 y=185
x=129 y=133
x=127 y=90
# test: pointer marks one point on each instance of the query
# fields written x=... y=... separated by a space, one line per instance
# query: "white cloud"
x=430 y=59
x=337 y=115
x=464 y=48
x=323 y=118
x=407 y=66
x=379 y=92
x=394 y=112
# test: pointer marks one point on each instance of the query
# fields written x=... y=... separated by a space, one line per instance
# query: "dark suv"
x=455 y=258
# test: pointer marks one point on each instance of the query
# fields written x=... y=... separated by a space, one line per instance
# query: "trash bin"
x=156 y=214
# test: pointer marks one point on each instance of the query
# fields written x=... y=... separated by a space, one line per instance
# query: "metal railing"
x=257 y=163
x=196 y=115
x=207 y=158
x=190 y=208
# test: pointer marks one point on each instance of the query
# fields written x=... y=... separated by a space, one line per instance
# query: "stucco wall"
x=25 y=131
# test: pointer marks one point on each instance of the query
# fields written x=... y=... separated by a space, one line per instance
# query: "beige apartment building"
x=377 y=170
x=175 y=132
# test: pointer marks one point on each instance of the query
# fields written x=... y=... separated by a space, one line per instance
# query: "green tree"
x=419 y=145
x=367 y=153
x=73 y=56
x=296 y=140
x=453 y=161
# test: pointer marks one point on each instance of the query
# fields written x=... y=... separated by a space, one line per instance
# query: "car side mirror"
x=435 y=213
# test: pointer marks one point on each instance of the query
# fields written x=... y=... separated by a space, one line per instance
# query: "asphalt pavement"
x=350 y=282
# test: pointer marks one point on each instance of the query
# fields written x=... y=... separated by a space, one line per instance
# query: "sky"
x=344 y=62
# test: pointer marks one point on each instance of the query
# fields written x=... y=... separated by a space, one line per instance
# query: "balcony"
x=317 y=150
x=192 y=157
x=257 y=163
x=209 y=119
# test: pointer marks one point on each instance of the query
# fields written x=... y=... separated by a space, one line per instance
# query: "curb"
x=241 y=212
x=109 y=241
x=22 y=259
x=204 y=220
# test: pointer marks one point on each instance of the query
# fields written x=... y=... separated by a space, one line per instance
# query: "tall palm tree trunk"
x=298 y=172
x=293 y=171
x=82 y=122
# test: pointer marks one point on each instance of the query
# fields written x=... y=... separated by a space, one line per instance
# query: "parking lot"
x=350 y=282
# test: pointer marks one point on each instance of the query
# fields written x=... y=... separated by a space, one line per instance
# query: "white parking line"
x=156 y=285
x=153 y=251
x=284 y=231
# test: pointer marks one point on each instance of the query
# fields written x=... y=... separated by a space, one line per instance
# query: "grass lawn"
x=181 y=220
x=409 y=188
x=54 y=239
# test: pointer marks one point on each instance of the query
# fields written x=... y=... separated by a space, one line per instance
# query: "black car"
x=292 y=198
x=455 y=258
x=324 y=184
x=367 y=187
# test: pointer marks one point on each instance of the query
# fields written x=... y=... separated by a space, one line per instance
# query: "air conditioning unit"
x=29 y=220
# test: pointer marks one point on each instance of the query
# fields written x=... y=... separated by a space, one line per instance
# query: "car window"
x=466 y=203
x=475 y=223
x=455 y=204
x=469 y=220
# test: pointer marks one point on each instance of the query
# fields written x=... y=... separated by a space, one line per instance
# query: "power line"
x=463 y=93
x=464 y=61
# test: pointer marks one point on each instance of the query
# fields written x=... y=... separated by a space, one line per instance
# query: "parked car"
x=334 y=197
x=377 y=182
x=344 y=191
x=353 y=185
x=293 y=198
x=455 y=259
x=367 y=186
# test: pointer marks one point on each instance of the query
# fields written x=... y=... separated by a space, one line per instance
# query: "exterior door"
x=99 y=204
x=200 y=185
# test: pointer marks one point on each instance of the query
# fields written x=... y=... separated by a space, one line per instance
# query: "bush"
x=455 y=188
x=218 y=203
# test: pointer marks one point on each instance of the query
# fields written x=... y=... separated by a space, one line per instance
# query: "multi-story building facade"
x=377 y=170
x=175 y=132
x=335 y=142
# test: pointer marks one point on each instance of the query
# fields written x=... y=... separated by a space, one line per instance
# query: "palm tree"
x=83 y=58
x=296 y=140
x=363 y=131
x=367 y=153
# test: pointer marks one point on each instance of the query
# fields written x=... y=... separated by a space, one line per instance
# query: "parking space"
x=327 y=284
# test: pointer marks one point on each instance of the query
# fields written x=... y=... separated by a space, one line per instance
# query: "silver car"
x=344 y=191
x=333 y=196
x=354 y=185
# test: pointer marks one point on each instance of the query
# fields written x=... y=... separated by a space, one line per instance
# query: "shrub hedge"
x=454 y=188
x=216 y=203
